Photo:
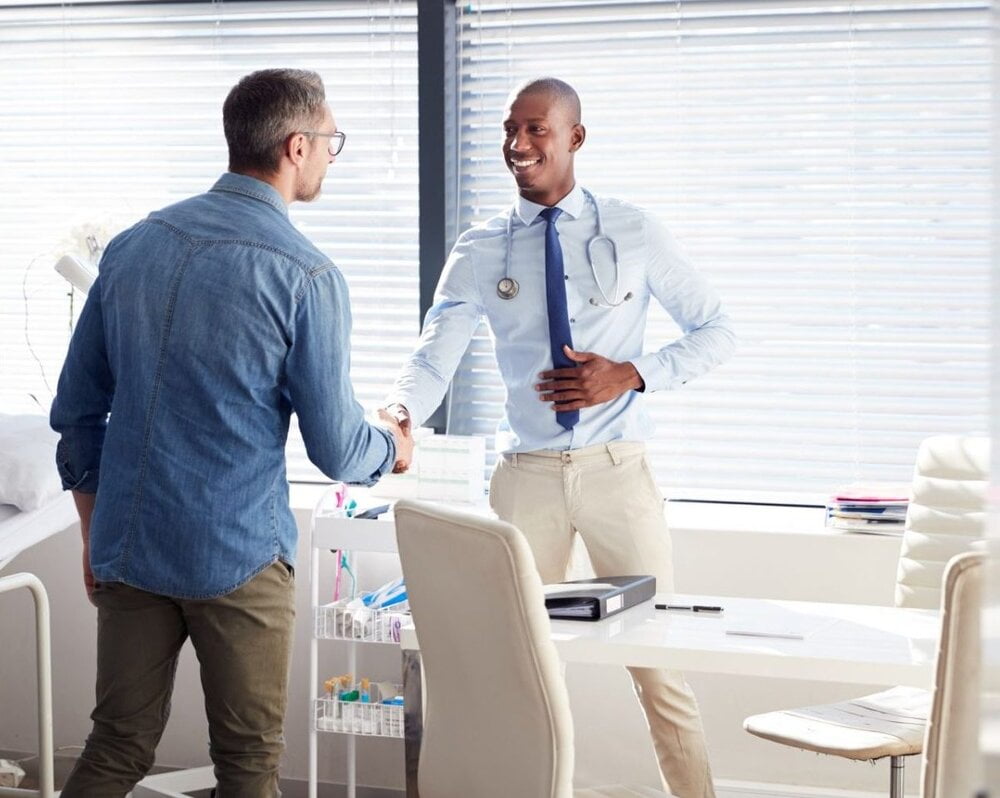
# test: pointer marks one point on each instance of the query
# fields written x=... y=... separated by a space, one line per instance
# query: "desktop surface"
x=844 y=643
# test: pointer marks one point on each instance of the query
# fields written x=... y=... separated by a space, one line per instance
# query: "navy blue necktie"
x=555 y=297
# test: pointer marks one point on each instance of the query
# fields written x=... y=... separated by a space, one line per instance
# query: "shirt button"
x=565 y=276
x=572 y=321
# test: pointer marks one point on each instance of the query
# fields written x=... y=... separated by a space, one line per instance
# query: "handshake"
x=396 y=419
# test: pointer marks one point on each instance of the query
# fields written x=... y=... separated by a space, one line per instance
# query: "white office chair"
x=946 y=516
x=952 y=765
x=497 y=722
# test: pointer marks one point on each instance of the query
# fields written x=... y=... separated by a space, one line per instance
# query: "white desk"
x=842 y=643
x=845 y=643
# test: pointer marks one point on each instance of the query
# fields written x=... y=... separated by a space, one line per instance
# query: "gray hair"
x=559 y=89
x=263 y=109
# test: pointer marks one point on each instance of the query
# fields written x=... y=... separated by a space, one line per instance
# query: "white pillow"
x=28 y=474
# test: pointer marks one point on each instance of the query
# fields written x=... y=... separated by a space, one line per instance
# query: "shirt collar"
x=251 y=187
x=571 y=205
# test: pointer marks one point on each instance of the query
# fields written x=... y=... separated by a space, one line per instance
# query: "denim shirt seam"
x=173 y=228
x=311 y=274
x=246 y=242
x=257 y=195
x=309 y=270
x=130 y=529
x=274 y=523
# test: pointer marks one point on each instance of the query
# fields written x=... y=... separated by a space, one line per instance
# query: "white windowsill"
x=687 y=516
x=776 y=519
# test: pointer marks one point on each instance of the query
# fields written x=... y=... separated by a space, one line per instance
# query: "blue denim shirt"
x=210 y=322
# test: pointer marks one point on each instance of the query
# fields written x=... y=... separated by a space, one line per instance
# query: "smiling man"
x=564 y=280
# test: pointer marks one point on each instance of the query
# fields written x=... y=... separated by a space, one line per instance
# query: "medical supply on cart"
x=361 y=707
x=376 y=616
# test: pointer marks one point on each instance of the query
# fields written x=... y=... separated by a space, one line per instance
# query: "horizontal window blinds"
x=827 y=165
x=108 y=111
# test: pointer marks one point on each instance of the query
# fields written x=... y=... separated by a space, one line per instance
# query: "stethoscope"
x=507 y=287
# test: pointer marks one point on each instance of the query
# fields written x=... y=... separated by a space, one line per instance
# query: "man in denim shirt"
x=211 y=321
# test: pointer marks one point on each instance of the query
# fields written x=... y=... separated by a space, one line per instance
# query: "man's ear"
x=295 y=148
x=577 y=137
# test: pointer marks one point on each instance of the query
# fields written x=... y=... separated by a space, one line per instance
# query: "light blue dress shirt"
x=651 y=267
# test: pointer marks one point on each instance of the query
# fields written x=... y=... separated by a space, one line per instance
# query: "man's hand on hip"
x=397 y=420
x=595 y=381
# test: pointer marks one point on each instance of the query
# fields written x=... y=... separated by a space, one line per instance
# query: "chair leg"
x=897 y=776
x=413 y=717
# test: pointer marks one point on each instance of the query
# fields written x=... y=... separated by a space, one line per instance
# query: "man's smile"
x=523 y=164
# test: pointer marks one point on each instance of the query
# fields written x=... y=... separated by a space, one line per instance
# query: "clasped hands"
x=396 y=419
x=594 y=381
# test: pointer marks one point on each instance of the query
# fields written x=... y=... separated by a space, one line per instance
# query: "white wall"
x=612 y=743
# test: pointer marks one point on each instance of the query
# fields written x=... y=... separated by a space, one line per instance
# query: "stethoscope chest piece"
x=507 y=288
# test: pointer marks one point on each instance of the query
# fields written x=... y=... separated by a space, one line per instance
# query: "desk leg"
x=413 y=717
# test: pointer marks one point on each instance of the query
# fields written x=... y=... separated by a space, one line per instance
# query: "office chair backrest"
x=945 y=517
x=951 y=744
x=497 y=722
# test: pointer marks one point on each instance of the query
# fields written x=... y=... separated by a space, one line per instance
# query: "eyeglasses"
x=336 y=139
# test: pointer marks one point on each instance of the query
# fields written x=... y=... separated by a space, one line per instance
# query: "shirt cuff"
x=386 y=466
x=77 y=463
x=412 y=406
x=654 y=376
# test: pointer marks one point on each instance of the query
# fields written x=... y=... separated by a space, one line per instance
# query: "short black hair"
x=263 y=109
x=560 y=89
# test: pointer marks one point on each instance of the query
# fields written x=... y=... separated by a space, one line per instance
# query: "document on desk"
x=790 y=627
x=593 y=599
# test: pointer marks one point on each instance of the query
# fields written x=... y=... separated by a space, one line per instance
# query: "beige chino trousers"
x=607 y=494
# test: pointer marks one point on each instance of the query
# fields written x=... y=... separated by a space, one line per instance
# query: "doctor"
x=564 y=280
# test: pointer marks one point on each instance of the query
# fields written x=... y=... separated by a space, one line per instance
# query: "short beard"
x=308 y=194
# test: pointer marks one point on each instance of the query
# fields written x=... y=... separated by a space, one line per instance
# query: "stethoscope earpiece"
x=598 y=304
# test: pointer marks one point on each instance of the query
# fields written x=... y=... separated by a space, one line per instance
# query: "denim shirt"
x=210 y=322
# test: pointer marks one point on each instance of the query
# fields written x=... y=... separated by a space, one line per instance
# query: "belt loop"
x=612 y=454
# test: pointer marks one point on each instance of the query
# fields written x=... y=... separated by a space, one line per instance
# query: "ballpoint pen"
x=689 y=607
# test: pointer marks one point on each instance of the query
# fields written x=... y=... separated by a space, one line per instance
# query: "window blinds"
x=826 y=164
x=108 y=111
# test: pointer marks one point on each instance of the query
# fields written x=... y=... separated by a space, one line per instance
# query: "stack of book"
x=878 y=509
